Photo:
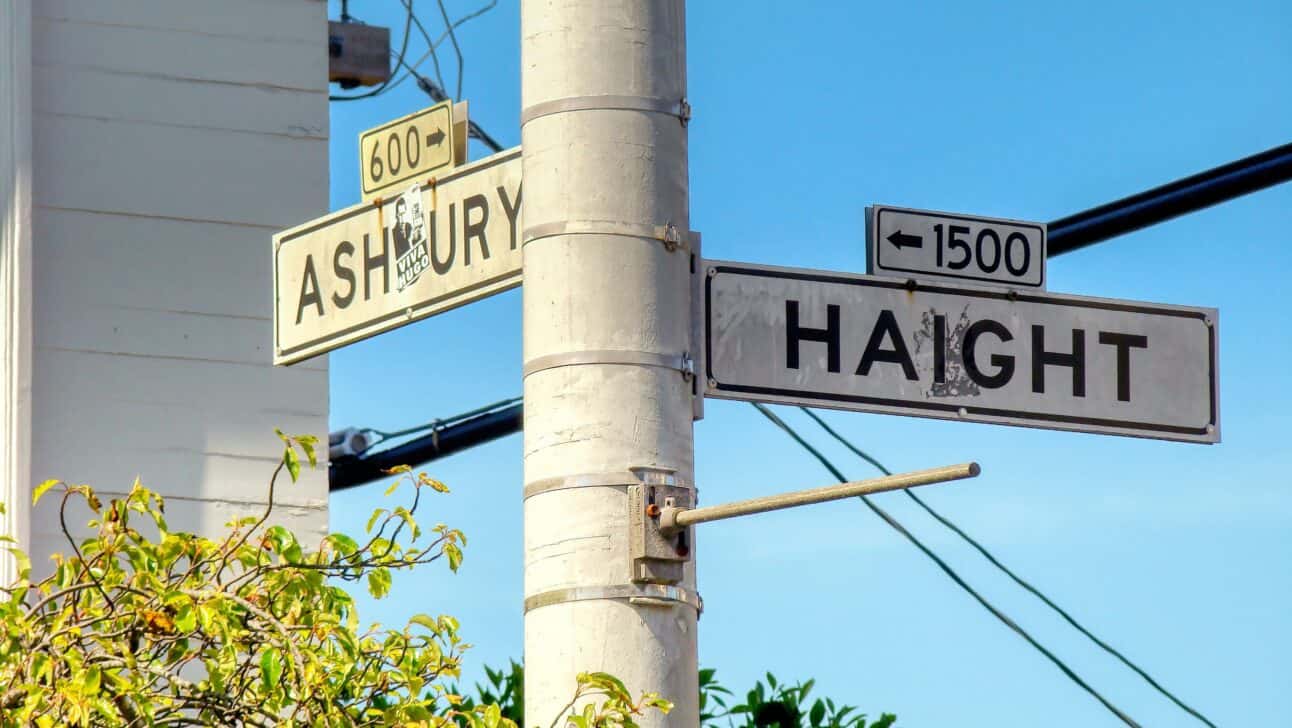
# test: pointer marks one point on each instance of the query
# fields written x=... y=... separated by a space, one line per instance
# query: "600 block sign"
x=407 y=149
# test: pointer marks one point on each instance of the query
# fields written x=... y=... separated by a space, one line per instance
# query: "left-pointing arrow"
x=901 y=240
x=434 y=138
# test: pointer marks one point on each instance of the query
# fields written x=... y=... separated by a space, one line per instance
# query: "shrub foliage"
x=140 y=625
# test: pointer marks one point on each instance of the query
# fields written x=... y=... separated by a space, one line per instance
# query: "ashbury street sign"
x=379 y=265
x=940 y=350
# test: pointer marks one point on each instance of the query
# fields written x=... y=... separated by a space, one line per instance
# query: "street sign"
x=377 y=266
x=406 y=150
x=873 y=344
x=921 y=244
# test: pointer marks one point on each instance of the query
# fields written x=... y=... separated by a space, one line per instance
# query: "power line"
x=430 y=52
x=897 y=526
x=437 y=95
x=456 y=48
x=1016 y=578
x=430 y=45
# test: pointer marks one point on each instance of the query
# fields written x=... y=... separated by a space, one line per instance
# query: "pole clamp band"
x=585 y=480
x=607 y=102
x=668 y=234
x=638 y=475
x=651 y=595
x=681 y=362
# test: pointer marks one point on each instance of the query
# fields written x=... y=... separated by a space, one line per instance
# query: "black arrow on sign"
x=434 y=138
x=900 y=241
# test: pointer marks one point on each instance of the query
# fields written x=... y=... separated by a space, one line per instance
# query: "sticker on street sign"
x=922 y=244
x=371 y=268
x=406 y=150
x=1033 y=359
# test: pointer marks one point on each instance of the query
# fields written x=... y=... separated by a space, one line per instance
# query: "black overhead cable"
x=430 y=51
x=467 y=430
x=411 y=69
x=897 y=526
x=1202 y=190
x=456 y=48
x=430 y=45
x=437 y=95
x=1017 y=579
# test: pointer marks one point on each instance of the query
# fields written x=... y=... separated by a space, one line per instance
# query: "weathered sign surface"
x=406 y=150
x=905 y=243
x=373 y=267
x=940 y=350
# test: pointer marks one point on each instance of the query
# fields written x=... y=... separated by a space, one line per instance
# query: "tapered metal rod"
x=672 y=519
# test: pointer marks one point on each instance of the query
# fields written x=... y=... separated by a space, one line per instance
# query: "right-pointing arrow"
x=434 y=138
x=901 y=240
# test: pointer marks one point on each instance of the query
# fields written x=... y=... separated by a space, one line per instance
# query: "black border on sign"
x=448 y=136
x=914 y=406
x=880 y=268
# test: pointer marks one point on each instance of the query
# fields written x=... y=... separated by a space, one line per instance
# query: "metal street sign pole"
x=939 y=350
x=607 y=319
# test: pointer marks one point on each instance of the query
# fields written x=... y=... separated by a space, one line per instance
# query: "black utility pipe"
x=1092 y=226
x=351 y=471
x=1181 y=197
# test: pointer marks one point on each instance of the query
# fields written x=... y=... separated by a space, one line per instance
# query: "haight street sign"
x=374 y=267
x=872 y=344
x=920 y=244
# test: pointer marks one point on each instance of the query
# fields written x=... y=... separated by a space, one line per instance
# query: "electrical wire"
x=403 y=49
x=443 y=36
x=453 y=36
x=1015 y=577
x=430 y=45
x=437 y=94
x=897 y=526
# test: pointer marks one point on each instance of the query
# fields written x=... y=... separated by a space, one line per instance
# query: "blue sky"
x=804 y=114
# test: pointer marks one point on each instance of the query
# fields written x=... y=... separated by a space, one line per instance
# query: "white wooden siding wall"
x=172 y=138
x=15 y=275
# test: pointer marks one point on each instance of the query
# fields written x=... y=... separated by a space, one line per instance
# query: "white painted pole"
x=15 y=276
x=606 y=318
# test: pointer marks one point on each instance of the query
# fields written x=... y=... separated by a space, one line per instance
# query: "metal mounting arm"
x=672 y=519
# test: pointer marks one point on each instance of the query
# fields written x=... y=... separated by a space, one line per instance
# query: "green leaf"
x=91 y=680
x=293 y=463
x=454 y=554
x=307 y=443
x=379 y=583
x=817 y=713
x=41 y=489
x=24 y=563
x=343 y=544
x=432 y=625
x=372 y=520
x=186 y=618
x=271 y=668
